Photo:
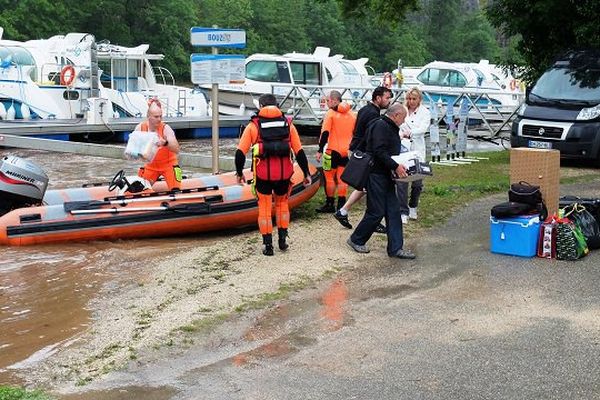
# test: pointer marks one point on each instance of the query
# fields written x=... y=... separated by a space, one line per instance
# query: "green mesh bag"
x=570 y=242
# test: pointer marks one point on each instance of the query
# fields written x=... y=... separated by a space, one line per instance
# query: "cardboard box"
x=516 y=236
x=538 y=167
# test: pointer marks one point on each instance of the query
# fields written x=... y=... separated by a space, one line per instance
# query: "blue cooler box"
x=517 y=236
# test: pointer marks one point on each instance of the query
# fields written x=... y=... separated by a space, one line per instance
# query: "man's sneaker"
x=359 y=248
x=381 y=229
x=405 y=254
x=342 y=219
x=404 y=219
x=412 y=213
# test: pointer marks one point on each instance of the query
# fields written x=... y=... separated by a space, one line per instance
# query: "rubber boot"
x=282 y=232
x=327 y=207
x=341 y=202
x=268 y=243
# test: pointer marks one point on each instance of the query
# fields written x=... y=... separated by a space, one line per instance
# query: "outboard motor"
x=22 y=183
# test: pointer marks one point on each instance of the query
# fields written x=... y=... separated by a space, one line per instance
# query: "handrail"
x=303 y=102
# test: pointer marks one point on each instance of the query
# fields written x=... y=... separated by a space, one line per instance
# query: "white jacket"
x=419 y=122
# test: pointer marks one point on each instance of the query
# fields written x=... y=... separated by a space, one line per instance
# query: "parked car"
x=562 y=109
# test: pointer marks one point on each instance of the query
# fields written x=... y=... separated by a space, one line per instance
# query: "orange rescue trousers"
x=265 y=206
x=333 y=180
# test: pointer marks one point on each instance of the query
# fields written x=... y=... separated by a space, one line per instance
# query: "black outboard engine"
x=22 y=183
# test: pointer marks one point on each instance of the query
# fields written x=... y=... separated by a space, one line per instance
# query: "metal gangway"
x=307 y=106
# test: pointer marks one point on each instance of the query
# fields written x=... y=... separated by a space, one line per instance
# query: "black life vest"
x=273 y=150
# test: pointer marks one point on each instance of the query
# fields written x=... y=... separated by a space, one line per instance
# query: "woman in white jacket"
x=414 y=128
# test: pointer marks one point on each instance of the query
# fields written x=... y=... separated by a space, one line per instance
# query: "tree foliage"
x=416 y=31
x=543 y=29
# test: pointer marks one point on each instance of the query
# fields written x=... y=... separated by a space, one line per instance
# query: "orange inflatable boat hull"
x=206 y=203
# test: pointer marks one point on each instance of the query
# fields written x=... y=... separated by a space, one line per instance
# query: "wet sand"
x=192 y=288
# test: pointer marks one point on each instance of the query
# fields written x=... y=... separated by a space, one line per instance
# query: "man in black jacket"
x=380 y=100
x=383 y=142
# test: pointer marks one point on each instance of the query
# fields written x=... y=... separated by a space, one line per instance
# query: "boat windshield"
x=17 y=55
x=442 y=77
x=566 y=83
x=268 y=71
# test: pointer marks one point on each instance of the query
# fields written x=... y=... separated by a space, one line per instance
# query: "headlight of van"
x=589 y=113
x=522 y=109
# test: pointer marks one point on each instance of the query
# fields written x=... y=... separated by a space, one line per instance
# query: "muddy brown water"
x=45 y=290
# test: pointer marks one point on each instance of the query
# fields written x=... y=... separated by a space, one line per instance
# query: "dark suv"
x=562 y=110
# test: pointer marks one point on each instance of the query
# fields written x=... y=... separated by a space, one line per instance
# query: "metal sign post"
x=215 y=38
x=215 y=122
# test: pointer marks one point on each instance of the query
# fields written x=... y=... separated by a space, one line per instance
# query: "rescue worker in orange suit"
x=164 y=162
x=273 y=138
x=336 y=133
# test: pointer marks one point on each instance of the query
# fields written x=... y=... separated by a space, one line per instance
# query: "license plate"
x=536 y=144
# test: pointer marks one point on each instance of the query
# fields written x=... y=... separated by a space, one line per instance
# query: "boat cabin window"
x=442 y=77
x=19 y=56
x=268 y=71
x=480 y=76
x=306 y=73
x=348 y=68
x=121 y=74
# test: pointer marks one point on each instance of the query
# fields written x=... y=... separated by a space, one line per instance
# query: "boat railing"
x=166 y=77
x=307 y=103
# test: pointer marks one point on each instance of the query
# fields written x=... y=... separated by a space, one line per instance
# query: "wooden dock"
x=194 y=127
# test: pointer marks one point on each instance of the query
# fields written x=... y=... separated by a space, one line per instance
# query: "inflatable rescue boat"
x=30 y=214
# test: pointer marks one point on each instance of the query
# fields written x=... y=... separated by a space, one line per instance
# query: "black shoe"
x=282 y=237
x=343 y=219
x=405 y=254
x=268 y=250
x=381 y=229
x=268 y=242
x=326 y=208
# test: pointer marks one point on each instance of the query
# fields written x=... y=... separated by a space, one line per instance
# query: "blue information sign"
x=217 y=37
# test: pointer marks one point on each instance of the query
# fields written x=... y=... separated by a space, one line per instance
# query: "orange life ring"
x=513 y=84
x=67 y=75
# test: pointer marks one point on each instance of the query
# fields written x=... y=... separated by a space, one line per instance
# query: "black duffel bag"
x=523 y=192
x=512 y=209
x=526 y=193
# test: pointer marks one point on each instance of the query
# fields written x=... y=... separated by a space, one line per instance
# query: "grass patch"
x=265 y=299
x=204 y=324
x=15 y=393
x=452 y=187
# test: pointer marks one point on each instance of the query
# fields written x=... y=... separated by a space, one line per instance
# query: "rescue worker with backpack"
x=336 y=134
x=273 y=139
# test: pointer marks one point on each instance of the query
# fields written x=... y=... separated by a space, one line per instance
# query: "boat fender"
x=513 y=84
x=67 y=75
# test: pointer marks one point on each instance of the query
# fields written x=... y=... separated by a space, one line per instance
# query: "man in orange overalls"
x=274 y=138
x=336 y=133
x=164 y=162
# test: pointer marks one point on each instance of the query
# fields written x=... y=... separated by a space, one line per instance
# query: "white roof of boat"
x=107 y=51
x=321 y=54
